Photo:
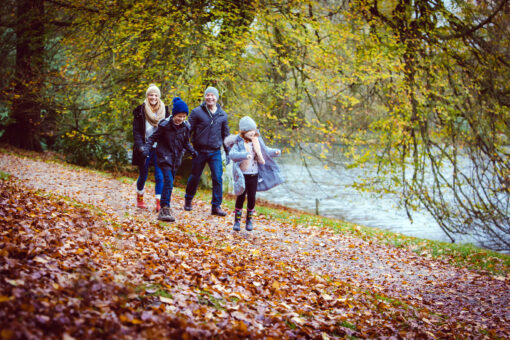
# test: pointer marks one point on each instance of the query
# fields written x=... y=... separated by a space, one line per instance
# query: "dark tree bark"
x=26 y=107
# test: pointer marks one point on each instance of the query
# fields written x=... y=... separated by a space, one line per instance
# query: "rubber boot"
x=139 y=201
x=158 y=204
x=187 y=205
x=249 y=220
x=237 y=219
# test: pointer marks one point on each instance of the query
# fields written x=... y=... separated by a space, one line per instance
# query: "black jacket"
x=172 y=140
x=208 y=131
x=139 y=134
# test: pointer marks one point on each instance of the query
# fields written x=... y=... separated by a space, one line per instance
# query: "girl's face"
x=153 y=98
x=250 y=134
x=179 y=118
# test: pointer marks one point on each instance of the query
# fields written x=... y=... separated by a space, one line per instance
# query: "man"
x=209 y=127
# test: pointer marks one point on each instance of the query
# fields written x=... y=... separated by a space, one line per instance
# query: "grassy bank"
x=460 y=255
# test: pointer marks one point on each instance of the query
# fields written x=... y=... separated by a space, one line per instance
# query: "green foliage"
x=96 y=151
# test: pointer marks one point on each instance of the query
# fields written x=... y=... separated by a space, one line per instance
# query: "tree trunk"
x=25 y=130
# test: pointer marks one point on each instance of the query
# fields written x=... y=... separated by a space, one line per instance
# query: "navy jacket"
x=172 y=141
x=208 y=131
x=139 y=134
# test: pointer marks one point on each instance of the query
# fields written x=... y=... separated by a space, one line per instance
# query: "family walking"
x=161 y=138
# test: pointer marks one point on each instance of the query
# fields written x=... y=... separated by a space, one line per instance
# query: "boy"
x=172 y=137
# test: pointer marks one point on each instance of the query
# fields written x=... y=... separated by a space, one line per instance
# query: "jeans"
x=197 y=167
x=250 y=190
x=168 y=186
x=143 y=173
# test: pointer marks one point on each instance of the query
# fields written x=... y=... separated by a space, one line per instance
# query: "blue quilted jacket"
x=269 y=173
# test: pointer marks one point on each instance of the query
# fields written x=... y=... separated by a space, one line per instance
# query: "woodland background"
x=417 y=89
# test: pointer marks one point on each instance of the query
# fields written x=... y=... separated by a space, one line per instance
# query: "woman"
x=145 y=121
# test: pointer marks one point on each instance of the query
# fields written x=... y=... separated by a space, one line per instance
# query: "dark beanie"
x=179 y=106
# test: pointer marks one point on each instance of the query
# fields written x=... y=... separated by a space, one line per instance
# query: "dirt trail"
x=399 y=273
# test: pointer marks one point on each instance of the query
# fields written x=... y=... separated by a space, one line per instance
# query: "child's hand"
x=277 y=152
x=249 y=157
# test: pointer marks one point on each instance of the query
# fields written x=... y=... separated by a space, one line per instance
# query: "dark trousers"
x=143 y=172
x=197 y=167
x=250 y=190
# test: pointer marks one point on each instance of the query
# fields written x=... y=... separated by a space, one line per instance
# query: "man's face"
x=210 y=99
x=179 y=118
x=153 y=98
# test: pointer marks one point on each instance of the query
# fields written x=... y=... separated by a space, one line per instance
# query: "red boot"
x=139 y=201
x=158 y=204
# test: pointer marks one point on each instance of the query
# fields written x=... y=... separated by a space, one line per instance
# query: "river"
x=338 y=199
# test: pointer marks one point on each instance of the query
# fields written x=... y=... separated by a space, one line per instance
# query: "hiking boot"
x=217 y=211
x=249 y=220
x=237 y=220
x=165 y=214
x=158 y=204
x=187 y=205
x=139 y=201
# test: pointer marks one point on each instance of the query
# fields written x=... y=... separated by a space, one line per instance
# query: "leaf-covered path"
x=198 y=278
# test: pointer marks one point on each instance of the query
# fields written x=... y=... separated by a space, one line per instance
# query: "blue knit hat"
x=179 y=106
x=212 y=90
x=247 y=124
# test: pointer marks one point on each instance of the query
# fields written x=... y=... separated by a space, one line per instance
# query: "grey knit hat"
x=247 y=124
x=212 y=90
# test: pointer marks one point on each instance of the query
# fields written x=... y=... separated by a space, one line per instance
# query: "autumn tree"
x=442 y=142
x=28 y=31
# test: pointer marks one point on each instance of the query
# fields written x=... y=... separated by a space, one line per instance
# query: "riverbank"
x=296 y=275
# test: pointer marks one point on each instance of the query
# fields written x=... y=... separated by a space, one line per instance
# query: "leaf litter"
x=77 y=260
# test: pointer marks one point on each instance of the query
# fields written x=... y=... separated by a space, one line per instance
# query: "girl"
x=254 y=169
x=145 y=121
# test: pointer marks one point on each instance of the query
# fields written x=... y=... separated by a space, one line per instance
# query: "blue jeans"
x=168 y=186
x=197 y=167
x=143 y=172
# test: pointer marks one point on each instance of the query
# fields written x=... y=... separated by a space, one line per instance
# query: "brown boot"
x=139 y=201
x=165 y=214
x=218 y=211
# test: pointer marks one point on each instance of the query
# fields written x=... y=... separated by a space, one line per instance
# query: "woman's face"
x=153 y=98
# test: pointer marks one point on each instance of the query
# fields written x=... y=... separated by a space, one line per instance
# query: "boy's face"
x=179 y=118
